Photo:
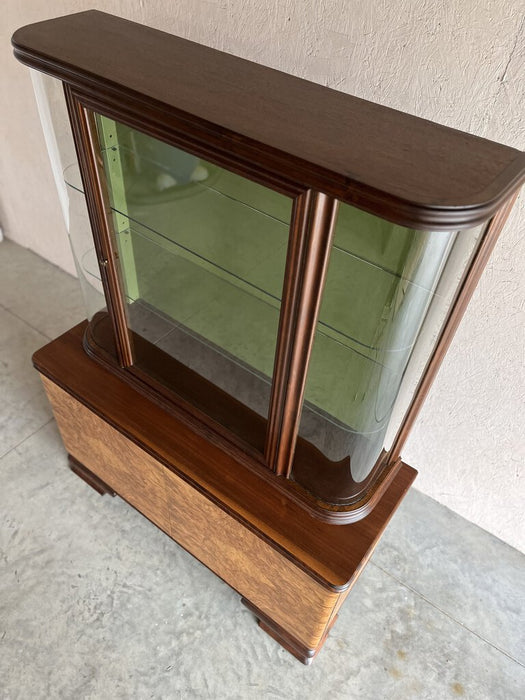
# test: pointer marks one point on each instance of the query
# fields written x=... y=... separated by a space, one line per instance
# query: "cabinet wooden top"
x=406 y=169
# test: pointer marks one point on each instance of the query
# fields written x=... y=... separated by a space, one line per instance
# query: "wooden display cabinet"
x=280 y=270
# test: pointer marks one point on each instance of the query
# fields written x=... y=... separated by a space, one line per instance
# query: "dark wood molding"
x=307 y=262
x=417 y=173
x=96 y=193
x=182 y=134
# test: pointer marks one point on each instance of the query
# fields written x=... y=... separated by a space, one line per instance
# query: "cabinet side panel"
x=260 y=573
x=131 y=472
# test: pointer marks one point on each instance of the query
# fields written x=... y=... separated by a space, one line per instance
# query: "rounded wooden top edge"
x=412 y=213
x=434 y=217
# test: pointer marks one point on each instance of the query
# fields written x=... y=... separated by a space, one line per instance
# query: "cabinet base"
x=285 y=639
x=92 y=479
x=291 y=570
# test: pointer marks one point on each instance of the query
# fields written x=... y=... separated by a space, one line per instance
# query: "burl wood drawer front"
x=258 y=571
x=248 y=563
x=131 y=472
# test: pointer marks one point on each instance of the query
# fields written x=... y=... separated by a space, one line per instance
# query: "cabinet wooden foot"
x=284 y=638
x=92 y=479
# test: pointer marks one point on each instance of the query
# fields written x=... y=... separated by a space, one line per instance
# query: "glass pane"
x=82 y=245
x=202 y=254
x=383 y=285
x=49 y=93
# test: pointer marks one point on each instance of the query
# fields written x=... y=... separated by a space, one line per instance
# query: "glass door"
x=201 y=259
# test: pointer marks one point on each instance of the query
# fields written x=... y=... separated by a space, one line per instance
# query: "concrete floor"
x=95 y=602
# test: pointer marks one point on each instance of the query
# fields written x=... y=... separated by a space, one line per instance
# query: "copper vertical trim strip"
x=312 y=229
x=477 y=265
x=91 y=170
x=290 y=301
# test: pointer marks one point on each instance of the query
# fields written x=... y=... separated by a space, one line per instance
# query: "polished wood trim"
x=96 y=192
x=464 y=294
x=184 y=135
x=329 y=553
x=361 y=503
x=307 y=263
x=417 y=173
x=93 y=480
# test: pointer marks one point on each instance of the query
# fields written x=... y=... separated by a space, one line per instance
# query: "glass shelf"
x=189 y=291
x=235 y=309
x=363 y=300
x=240 y=324
x=177 y=287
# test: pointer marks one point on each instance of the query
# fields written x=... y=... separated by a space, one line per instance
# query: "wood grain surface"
x=129 y=471
x=286 y=564
x=331 y=554
x=282 y=590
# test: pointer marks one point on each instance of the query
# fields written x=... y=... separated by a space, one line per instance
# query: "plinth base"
x=292 y=570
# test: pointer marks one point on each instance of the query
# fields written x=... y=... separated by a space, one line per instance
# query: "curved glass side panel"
x=81 y=239
x=202 y=253
x=387 y=294
x=52 y=110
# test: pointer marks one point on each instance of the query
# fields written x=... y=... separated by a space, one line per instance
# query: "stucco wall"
x=458 y=62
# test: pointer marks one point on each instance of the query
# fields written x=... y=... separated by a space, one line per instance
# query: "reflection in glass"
x=82 y=245
x=382 y=308
x=202 y=254
x=49 y=94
